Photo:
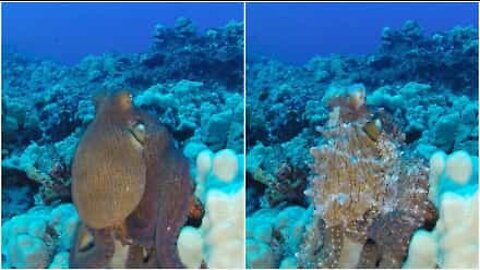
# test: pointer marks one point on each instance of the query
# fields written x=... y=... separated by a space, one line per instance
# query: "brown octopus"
x=132 y=190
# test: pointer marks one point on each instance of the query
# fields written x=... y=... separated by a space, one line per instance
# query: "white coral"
x=220 y=240
x=454 y=241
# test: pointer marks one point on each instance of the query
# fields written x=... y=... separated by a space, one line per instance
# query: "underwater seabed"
x=43 y=236
x=47 y=107
x=366 y=161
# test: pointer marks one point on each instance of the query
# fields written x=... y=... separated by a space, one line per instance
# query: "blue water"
x=68 y=32
x=294 y=33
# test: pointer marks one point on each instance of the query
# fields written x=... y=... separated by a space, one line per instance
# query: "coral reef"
x=219 y=53
x=285 y=101
x=436 y=121
x=280 y=170
x=35 y=238
x=46 y=166
x=273 y=239
x=16 y=199
x=421 y=94
x=183 y=79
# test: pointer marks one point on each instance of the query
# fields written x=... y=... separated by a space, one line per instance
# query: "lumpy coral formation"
x=273 y=236
x=33 y=239
x=285 y=101
x=453 y=242
x=219 y=241
x=47 y=107
x=372 y=190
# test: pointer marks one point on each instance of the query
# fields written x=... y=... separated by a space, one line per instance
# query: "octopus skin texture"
x=161 y=177
x=165 y=206
x=95 y=248
x=91 y=248
x=108 y=170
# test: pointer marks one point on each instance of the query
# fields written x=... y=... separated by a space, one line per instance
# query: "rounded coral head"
x=437 y=165
x=459 y=167
x=225 y=165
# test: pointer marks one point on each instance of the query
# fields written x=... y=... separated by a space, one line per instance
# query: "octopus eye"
x=85 y=242
x=124 y=100
x=138 y=132
x=373 y=129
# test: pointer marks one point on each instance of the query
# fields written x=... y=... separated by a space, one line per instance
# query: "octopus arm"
x=174 y=210
x=92 y=248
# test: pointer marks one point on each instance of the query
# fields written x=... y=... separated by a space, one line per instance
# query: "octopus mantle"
x=152 y=197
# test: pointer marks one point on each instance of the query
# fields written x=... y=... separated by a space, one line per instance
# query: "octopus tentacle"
x=93 y=255
x=173 y=213
x=151 y=202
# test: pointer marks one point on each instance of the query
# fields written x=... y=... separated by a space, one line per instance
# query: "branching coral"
x=362 y=181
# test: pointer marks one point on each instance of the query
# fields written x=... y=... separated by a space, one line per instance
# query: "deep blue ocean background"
x=296 y=32
x=67 y=32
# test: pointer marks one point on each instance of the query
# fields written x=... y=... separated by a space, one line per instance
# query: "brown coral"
x=287 y=185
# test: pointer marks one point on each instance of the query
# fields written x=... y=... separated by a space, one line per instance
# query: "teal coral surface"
x=191 y=81
x=420 y=88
